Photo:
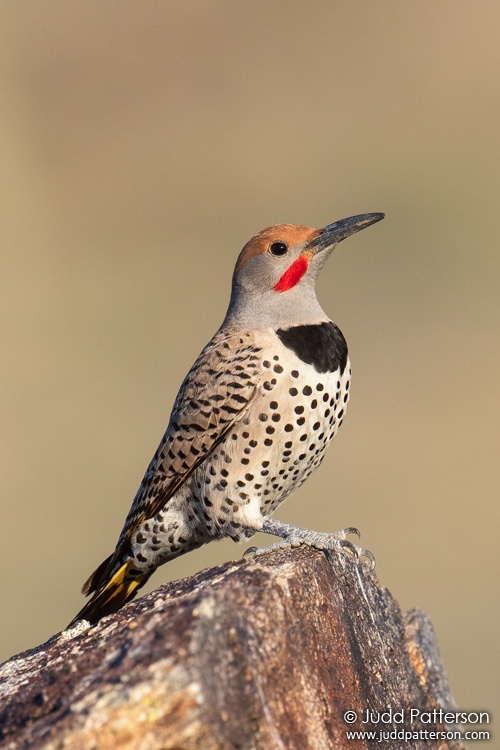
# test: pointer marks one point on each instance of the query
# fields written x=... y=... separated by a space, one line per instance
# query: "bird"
x=252 y=420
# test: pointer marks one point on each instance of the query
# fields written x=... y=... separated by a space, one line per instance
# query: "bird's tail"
x=112 y=595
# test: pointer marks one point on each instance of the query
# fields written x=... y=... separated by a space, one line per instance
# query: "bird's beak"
x=339 y=230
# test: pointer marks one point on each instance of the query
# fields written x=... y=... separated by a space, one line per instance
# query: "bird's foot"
x=294 y=536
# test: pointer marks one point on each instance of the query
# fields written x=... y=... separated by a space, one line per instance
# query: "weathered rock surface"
x=258 y=654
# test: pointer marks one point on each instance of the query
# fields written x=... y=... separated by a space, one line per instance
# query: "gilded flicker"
x=252 y=419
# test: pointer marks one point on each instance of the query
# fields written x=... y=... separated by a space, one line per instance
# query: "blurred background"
x=142 y=144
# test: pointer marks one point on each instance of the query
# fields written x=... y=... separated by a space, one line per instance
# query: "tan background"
x=141 y=145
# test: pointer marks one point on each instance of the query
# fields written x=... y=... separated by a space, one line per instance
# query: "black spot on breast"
x=323 y=346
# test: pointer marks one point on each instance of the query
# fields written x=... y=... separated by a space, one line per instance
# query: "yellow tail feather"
x=116 y=592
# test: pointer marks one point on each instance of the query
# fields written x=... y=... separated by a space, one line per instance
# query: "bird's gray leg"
x=294 y=536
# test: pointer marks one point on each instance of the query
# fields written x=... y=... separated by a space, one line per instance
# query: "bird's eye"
x=278 y=248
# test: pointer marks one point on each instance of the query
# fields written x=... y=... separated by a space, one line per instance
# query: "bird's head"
x=274 y=277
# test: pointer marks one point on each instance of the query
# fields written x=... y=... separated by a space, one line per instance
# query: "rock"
x=262 y=653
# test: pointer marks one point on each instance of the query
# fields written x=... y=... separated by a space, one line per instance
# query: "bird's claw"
x=322 y=541
x=367 y=559
x=351 y=530
x=364 y=556
x=251 y=551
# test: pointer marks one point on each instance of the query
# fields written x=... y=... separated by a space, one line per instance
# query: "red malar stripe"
x=293 y=275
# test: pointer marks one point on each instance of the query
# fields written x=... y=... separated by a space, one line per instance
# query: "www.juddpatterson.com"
x=384 y=736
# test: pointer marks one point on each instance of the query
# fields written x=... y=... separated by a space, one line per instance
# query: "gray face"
x=273 y=282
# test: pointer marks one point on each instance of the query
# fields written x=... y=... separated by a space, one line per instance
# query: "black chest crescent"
x=323 y=346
